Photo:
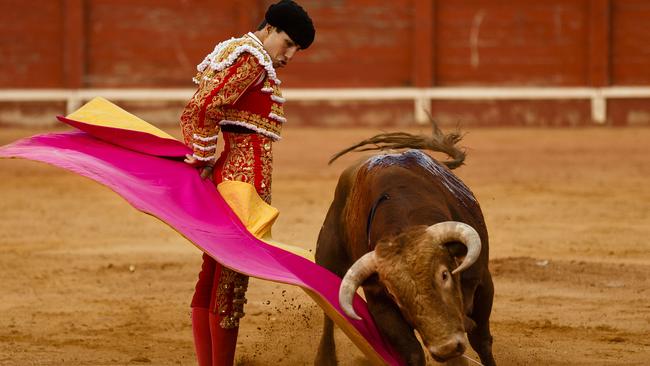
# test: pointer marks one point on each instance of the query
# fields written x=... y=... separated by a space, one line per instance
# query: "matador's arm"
x=217 y=90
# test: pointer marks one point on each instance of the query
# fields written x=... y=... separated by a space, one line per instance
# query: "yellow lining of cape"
x=101 y=112
x=255 y=214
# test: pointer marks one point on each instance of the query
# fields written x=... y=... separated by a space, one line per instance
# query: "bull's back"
x=417 y=183
x=430 y=191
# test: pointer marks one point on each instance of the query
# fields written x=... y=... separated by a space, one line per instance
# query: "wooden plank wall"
x=630 y=35
x=359 y=43
x=31 y=52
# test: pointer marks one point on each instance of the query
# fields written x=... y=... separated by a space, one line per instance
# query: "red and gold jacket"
x=237 y=85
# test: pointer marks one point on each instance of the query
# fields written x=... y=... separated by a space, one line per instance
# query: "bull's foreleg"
x=393 y=326
x=326 y=355
x=480 y=337
x=330 y=255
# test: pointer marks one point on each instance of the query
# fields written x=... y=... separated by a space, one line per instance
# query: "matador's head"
x=286 y=29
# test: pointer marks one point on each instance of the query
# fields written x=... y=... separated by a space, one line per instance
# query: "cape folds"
x=144 y=165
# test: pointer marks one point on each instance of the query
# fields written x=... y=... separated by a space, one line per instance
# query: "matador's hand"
x=206 y=172
x=206 y=168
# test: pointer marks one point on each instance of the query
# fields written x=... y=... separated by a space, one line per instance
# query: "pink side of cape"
x=156 y=181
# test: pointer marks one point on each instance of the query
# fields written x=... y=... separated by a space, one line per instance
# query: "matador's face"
x=280 y=47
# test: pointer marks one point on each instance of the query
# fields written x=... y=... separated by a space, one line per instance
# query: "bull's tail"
x=438 y=142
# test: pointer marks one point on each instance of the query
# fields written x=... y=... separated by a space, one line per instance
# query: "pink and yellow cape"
x=143 y=164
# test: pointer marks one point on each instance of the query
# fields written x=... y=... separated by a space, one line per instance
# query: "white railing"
x=421 y=97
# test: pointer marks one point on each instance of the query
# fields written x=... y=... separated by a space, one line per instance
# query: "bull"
x=412 y=235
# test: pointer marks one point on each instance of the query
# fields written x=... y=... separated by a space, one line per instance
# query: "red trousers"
x=218 y=301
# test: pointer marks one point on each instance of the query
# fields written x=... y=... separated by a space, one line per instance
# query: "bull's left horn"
x=360 y=270
x=453 y=230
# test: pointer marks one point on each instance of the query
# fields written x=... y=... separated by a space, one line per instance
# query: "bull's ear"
x=456 y=249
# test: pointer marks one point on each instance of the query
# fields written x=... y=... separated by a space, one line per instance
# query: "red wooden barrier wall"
x=359 y=43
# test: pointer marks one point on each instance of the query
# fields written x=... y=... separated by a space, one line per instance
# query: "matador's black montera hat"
x=290 y=17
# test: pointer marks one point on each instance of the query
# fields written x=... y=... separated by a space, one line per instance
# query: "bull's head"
x=419 y=270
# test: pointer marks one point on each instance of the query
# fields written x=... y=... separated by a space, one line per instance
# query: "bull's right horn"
x=453 y=230
x=360 y=270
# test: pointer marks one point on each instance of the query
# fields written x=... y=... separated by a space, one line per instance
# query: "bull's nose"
x=454 y=347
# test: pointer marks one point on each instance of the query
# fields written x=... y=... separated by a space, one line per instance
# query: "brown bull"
x=410 y=233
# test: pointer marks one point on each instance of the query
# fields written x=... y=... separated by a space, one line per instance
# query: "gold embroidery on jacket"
x=233 y=82
x=239 y=165
x=277 y=109
x=262 y=122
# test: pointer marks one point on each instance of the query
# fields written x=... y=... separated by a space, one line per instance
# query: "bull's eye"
x=445 y=275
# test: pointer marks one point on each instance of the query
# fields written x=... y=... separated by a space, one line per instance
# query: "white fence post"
x=422 y=105
x=598 y=107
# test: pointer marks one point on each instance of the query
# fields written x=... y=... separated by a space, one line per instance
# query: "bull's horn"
x=360 y=270
x=453 y=230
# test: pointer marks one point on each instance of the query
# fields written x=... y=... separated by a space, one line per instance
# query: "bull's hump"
x=431 y=166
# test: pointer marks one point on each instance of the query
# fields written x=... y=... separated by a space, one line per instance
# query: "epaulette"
x=226 y=52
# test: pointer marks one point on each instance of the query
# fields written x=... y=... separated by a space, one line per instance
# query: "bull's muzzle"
x=454 y=347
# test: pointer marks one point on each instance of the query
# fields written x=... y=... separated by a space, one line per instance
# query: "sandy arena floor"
x=87 y=280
